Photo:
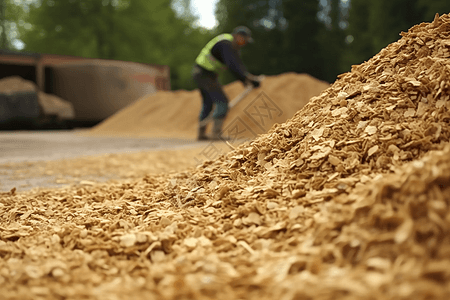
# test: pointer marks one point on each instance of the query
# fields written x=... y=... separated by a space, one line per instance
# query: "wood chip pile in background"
x=14 y=84
x=175 y=113
x=348 y=199
x=49 y=103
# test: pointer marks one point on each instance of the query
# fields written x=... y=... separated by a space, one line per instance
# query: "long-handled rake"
x=234 y=102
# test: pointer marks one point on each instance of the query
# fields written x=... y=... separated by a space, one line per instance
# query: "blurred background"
x=323 y=38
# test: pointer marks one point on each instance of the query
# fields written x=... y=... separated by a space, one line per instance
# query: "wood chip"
x=348 y=197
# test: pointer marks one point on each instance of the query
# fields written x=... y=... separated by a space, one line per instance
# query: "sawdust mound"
x=175 y=114
x=348 y=199
x=13 y=84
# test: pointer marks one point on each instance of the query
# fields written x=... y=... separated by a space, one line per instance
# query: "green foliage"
x=133 y=30
x=360 y=47
x=100 y=29
x=307 y=36
x=288 y=36
x=323 y=47
x=301 y=39
x=374 y=24
x=403 y=15
x=432 y=7
x=331 y=43
x=10 y=13
x=3 y=38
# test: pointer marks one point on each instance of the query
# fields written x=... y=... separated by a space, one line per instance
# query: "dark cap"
x=243 y=30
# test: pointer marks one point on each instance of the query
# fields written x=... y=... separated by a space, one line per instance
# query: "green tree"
x=331 y=38
x=301 y=48
x=359 y=42
x=374 y=24
x=11 y=13
x=101 y=29
x=288 y=35
x=132 y=30
x=433 y=7
x=389 y=18
x=3 y=40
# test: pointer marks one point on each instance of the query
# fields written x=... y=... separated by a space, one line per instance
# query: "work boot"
x=217 y=130
x=202 y=133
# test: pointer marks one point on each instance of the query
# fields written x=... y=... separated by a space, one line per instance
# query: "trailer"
x=73 y=91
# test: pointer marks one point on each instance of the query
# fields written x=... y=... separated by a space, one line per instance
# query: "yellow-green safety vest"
x=206 y=60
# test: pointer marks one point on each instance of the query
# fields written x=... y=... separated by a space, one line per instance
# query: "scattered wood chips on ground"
x=111 y=166
x=349 y=199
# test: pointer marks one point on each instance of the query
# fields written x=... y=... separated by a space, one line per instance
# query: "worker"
x=220 y=54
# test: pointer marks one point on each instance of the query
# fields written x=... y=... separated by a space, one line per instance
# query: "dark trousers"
x=212 y=93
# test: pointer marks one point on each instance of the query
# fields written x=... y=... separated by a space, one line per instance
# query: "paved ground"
x=20 y=146
x=32 y=146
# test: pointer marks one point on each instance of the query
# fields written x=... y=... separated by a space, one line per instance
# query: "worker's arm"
x=225 y=53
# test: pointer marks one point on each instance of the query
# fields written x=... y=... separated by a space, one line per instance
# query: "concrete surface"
x=33 y=146
x=20 y=146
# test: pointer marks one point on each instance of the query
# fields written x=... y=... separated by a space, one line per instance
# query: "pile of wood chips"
x=14 y=84
x=175 y=113
x=348 y=199
x=49 y=103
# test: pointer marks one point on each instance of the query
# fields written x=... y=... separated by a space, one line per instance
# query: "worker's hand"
x=254 y=80
x=255 y=83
